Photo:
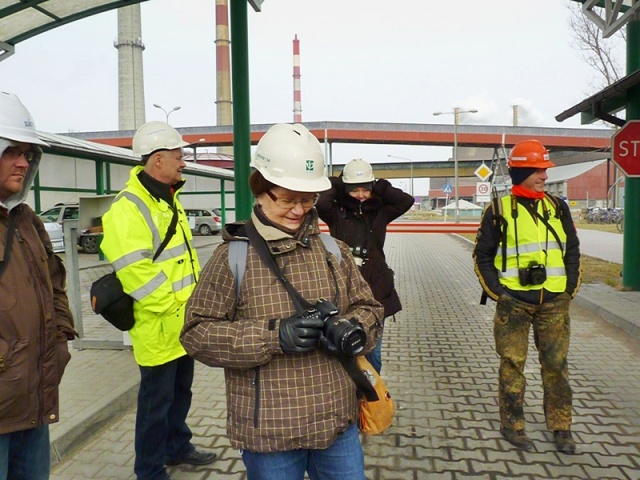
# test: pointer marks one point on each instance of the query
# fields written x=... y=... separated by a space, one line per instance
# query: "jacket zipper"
x=256 y=407
x=32 y=261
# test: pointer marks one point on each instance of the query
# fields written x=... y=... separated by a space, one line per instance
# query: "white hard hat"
x=15 y=121
x=290 y=156
x=357 y=171
x=154 y=136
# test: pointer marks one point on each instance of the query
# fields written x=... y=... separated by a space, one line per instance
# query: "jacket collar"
x=161 y=191
x=271 y=232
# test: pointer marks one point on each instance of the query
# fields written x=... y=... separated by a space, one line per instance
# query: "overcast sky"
x=366 y=61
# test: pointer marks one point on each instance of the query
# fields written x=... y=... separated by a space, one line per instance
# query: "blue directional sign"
x=446 y=188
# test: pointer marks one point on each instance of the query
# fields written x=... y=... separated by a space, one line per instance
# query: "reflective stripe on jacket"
x=134 y=228
x=535 y=244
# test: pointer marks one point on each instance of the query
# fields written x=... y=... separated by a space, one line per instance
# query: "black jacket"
x=364 y=224
x=488 y=242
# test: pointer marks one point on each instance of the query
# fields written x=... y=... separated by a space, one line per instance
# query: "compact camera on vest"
x=349 y=338
x=535 y=274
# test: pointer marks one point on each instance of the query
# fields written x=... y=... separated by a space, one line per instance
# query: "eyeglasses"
x=14 y=153
x=288 y=204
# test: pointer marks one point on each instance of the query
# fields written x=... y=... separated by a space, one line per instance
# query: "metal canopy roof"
x=23 y=19
x=605 y=103
x=616 y=13
x=78 y=148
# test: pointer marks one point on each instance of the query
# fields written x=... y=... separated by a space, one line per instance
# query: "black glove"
x=300 y=333
x=329 y=348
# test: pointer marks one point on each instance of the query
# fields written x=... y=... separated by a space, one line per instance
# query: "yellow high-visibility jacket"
x=535 y=244
x=134 y=227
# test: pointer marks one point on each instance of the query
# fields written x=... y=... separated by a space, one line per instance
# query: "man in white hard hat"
x=148 y=241
x=35 y=320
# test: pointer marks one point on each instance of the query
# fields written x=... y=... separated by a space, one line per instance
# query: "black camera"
x=347 y=337
x=360 y=252
x=535 y=274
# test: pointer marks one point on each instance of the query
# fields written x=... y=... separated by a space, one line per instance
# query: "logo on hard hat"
x=28 y=123
x=310 y=168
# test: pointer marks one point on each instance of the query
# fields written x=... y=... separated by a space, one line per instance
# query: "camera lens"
x=349 y=338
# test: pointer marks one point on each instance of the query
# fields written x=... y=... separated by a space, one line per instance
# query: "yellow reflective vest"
x=535 y=243
x=134 y=228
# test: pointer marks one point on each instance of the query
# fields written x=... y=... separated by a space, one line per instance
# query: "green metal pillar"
x=223 y=202
x=631 y=255
x=240 y=99
x=99 y=177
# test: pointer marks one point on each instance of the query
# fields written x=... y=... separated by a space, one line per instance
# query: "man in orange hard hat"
x=527 y=258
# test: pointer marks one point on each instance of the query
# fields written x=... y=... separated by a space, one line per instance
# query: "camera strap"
x=361 y=381
x=544 y=220
x=552 y=230
x=261 y=247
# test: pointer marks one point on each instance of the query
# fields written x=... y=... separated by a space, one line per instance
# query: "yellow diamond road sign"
x=483 y=172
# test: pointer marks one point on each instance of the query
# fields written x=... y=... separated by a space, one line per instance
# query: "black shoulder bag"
x=108 y=298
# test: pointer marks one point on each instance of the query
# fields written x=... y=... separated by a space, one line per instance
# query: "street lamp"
x=165 y=112
x=411 y=169
x=456 y=113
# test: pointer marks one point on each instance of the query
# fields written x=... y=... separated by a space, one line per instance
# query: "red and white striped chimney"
x=297 y=104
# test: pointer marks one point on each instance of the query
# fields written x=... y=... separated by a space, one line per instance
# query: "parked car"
x=54 y=229
x=203 y=221
x=53 y=218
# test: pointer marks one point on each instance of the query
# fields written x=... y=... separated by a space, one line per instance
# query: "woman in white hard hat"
x=292 y=407
x=357 y=210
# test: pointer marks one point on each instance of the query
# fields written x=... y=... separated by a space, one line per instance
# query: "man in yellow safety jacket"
x=147 y=239
x=527 y=258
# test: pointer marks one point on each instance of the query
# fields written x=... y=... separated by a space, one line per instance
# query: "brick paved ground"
x=441 y=367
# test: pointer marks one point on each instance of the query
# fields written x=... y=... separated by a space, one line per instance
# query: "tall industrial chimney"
x=130 y=74
x=224 y=111
x=297 y=104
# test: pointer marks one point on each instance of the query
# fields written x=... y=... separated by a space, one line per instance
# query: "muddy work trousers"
x=551 y=329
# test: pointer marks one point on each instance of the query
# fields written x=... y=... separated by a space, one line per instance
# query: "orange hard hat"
x=529 y=154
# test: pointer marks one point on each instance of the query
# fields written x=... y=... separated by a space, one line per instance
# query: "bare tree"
x=602 y=54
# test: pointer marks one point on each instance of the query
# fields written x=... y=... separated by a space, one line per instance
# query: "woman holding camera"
x=292 y=407
x=357 y=210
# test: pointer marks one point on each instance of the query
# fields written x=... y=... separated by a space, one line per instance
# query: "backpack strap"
x=331 y=245
x=238 y=260
x=555 y=201
x=500 y=224
x=238 y=256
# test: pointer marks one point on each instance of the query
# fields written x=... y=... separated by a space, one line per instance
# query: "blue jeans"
x=343 y=460
x=25 y=455
x=162 y=433
x=375 y=356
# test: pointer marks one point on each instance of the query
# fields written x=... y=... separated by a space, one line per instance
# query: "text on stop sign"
x=626 y=147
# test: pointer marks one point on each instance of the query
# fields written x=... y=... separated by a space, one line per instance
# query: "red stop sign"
x=626 y=148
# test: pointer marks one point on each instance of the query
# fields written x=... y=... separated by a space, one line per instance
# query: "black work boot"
x=564 y=441
x=517 y=438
